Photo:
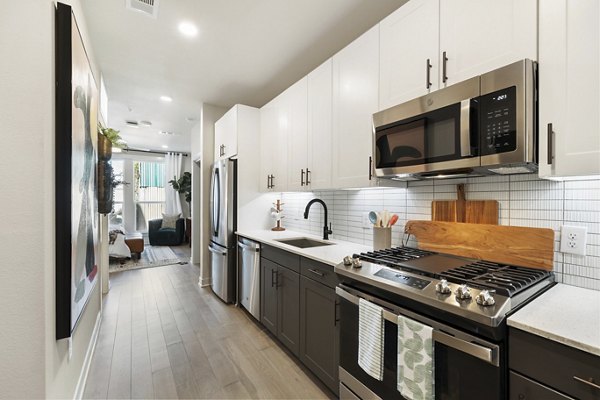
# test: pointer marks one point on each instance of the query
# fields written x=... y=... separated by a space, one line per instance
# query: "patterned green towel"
x=415 y=360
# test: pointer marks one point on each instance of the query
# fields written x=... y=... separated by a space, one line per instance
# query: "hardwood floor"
x=162 y=336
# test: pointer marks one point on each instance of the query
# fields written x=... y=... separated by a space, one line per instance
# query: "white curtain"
x=172 y=171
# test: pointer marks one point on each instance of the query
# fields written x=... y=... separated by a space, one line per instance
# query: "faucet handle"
x=329 y=230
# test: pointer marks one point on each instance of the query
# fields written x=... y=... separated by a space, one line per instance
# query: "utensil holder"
x=382 y=238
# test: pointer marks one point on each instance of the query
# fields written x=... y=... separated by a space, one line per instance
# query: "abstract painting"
x=76 y=155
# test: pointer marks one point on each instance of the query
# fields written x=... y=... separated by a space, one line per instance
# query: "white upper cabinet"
x=318 y=174
x=355 y=99
x=569 y=88
x=226 y=131
x=293 y=120
x=409 y=56
x=273 y=146
x=478 y=36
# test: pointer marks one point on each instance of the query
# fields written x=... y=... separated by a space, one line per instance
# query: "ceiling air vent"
x=148 y=7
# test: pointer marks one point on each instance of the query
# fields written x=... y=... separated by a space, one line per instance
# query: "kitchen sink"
x=304 y=243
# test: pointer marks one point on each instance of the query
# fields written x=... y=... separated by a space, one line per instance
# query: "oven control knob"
x=347 y=261
x=442 y=287
x=485 y=298
x=356 y=263
x=463 y=292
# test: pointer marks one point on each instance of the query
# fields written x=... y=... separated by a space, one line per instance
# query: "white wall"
x=524 y=201
x=32 y=363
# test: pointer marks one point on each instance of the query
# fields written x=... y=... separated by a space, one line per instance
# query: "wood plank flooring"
x=162 y=336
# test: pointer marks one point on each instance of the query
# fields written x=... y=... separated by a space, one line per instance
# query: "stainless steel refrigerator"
x=223 y=222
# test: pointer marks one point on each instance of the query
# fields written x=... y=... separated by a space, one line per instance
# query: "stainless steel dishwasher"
x=249 y=275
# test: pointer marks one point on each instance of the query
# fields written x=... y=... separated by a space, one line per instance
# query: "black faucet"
x=326 y=230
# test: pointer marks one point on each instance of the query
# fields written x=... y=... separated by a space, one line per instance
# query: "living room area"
x=149 y=222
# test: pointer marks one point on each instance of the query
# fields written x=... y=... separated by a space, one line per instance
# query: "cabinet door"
x=355 y=99
x=569 y=81
x=268 y=295
x=288 y=318
x=226 y=130
x=409 y=42
x=319 y=127
x=295 y=114
x=481 y=35
x=319 y=331
x=267 y=145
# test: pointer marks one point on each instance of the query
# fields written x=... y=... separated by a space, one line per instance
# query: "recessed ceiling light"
x=166 y=99
x=146 y=123
x=188 y=29
x=164 y=146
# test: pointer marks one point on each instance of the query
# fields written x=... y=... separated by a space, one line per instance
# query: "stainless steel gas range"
x=465 y=301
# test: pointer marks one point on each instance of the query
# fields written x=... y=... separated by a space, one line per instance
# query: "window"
x=116 y=216
x=148 y=192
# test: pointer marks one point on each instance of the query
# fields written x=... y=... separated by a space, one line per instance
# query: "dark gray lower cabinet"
x=280 y=303
x=268 y=295
x=319 y=331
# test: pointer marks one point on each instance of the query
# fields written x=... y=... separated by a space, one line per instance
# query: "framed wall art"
x=75 y=171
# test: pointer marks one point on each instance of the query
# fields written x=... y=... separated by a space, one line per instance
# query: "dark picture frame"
x=75 y=174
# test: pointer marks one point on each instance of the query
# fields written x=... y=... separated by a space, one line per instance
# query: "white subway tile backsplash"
x=524 y=200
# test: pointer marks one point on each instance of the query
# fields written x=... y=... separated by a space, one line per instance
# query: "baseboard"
x=85 y=369
x=204 y=282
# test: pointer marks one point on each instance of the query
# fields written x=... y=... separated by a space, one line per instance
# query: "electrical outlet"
x=573 y=239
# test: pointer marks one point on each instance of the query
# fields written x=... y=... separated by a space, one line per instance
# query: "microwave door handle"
x=465 y=128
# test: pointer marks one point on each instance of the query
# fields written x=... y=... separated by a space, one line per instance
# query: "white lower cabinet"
x=355 y=99
x=569 y=88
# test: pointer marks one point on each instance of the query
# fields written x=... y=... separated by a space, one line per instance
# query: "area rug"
x=152 y=256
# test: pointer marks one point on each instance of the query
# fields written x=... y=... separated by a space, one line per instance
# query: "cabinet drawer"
x=281 y=257
x=319 y=272
x=556 y=365
x=522 y=388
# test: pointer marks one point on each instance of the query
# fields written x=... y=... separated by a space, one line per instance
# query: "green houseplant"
x=183 y=185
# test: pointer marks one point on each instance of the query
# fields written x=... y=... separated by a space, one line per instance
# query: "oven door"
x=435 y=132
x=465 y=367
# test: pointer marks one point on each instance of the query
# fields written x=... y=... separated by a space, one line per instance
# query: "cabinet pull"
x=272 y=277
x=550 y=146
x=370 y=167
x=335 y=313
x=268 y=181
x=589 y=382
x=317 y=272
x=302 y=177
x=307 y=176
x=428 y=74
x=272 y=181
x=223 y=150
x=444 y=67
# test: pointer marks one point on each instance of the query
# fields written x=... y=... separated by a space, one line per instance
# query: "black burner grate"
x=394 y=256
x=506 y=280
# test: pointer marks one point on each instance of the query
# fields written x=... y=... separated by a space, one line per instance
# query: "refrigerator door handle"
x=216 y=208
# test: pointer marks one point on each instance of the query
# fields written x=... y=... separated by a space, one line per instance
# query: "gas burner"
x=393 y=257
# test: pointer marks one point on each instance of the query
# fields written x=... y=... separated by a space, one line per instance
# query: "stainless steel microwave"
x=485 y=125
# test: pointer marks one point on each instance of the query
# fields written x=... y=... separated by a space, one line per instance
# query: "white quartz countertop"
x=564 y=314
x=332 y=254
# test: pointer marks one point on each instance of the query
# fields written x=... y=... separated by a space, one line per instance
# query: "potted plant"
x=107 y=181
x=183 y=185
x=107 y=139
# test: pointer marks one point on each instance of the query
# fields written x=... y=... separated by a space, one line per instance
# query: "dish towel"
x=415 y=360
x=370 y=338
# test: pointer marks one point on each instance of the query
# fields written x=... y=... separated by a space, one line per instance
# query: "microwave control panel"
x=498 y=121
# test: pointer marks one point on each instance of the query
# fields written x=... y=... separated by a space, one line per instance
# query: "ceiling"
x=246 y=51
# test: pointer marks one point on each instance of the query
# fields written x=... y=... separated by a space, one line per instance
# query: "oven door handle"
x=483 y=352
x=476 y=350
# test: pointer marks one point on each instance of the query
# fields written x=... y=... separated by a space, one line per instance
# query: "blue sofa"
x=160 y=236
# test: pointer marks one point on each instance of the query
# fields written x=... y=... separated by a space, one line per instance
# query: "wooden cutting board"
x=462 y=210
x=515 y=245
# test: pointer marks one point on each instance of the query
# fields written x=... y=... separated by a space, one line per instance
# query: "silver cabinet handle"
x=272 y=181
x=465 y=130
x=428 y=74
x=550 y=146
x=316 y=272
x=268 y=181
x=589 y=382
x=302 y=177
x=444 y=67
x=307 y=176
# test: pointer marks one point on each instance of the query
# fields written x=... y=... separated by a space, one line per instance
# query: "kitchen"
x=307 y=283
x=437 y=175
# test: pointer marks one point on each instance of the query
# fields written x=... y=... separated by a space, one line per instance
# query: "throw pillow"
x=119 y=248
x=170 y=221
